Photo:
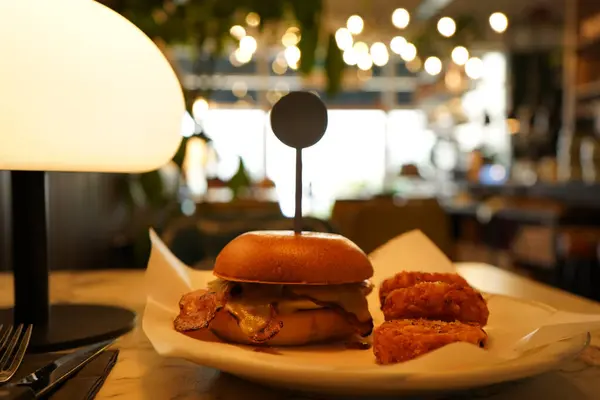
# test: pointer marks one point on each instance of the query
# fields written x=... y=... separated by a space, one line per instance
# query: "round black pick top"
x=299 y=119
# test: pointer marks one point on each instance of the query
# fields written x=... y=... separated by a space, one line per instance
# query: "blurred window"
x=350 y=159
x=237 y=133
x=408 y=139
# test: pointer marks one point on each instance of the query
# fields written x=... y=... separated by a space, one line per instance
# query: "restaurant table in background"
x=142 y=374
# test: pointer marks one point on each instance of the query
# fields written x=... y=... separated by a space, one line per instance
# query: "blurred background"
x=473 y=121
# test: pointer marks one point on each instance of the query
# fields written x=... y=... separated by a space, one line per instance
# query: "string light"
x=199 y=108
x=474 y=68
x=433 y=66
x=446 y=26
x=499 y=22
x=364 y=61
x=379 y=54
x=253 y=19
x=409 y=52
x=278 y=67
x=397 y=43
x=400 y=18
x=350 y=57
x=233 y=59
x=453 y=80
x=460 y=55
x=237 y=31
x=289 y=39
x=242 y=56
x=248 y=44
x=415 y=65
x=360 y=48
x=292 y=55
x=344 y=39
x=355 y=24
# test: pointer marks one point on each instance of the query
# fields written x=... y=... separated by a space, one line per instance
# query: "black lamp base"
x=74 y=325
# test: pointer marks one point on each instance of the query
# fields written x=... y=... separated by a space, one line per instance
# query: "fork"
x=13 y=344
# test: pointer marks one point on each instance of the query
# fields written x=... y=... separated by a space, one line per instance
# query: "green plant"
x=204 y=25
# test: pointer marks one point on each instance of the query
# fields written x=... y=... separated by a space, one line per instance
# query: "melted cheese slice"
x=253 y=317
x=349 y=297
x=292 y=306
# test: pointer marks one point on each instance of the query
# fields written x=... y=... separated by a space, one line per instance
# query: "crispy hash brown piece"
x=438 y=301
x=410 y=278
x=403 y=340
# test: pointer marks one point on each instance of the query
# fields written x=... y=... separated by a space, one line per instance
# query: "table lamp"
x=84 y=90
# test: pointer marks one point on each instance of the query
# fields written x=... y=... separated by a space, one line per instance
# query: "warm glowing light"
x=355 y=24
x=397 y=43
x=499 y=22
x=292 y=55
x=460 y=55
x=237 y=31
x=364 y=61
x=253 y=19
x=242 y=56
x=99 y=113
x=344 y=39
x=350 y=57
x=433 y=66
x=379 y=54
x=409 y=52
x=446 y=26
x=360 y=48
x=453 y=80
x=233 y=59
x=199 y=108
x=239 y=88
x=414 y=65
x=279 y=68
x=248 y=44
x=290 y=39
x=400 y=18
x=474 y=68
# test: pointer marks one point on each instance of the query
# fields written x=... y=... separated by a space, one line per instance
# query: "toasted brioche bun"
x=299 y=328
x=283 y=257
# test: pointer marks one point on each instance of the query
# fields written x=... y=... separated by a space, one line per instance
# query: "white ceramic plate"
x=337 y=370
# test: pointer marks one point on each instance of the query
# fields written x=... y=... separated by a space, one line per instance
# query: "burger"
x=281 y=288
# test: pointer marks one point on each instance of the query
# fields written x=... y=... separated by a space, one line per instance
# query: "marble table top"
x=142 y=374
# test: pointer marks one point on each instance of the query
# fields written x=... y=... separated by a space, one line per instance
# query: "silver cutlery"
x=13 y=345
x=49 y=377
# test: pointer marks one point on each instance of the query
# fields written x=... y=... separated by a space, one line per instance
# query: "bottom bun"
x=299 y=328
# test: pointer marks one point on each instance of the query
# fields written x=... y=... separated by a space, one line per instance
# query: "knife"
x=47 y=378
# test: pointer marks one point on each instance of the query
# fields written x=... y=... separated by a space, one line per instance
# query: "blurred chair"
x=382 y=219
x=198 y=240
x=577 y=254
x=239 y=209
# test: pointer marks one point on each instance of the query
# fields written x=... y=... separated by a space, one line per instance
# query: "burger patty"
x=256 y=306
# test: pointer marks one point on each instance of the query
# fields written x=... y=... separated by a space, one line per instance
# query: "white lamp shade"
x=83 y=89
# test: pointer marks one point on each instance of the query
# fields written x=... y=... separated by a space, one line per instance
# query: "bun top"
x=283 y=257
